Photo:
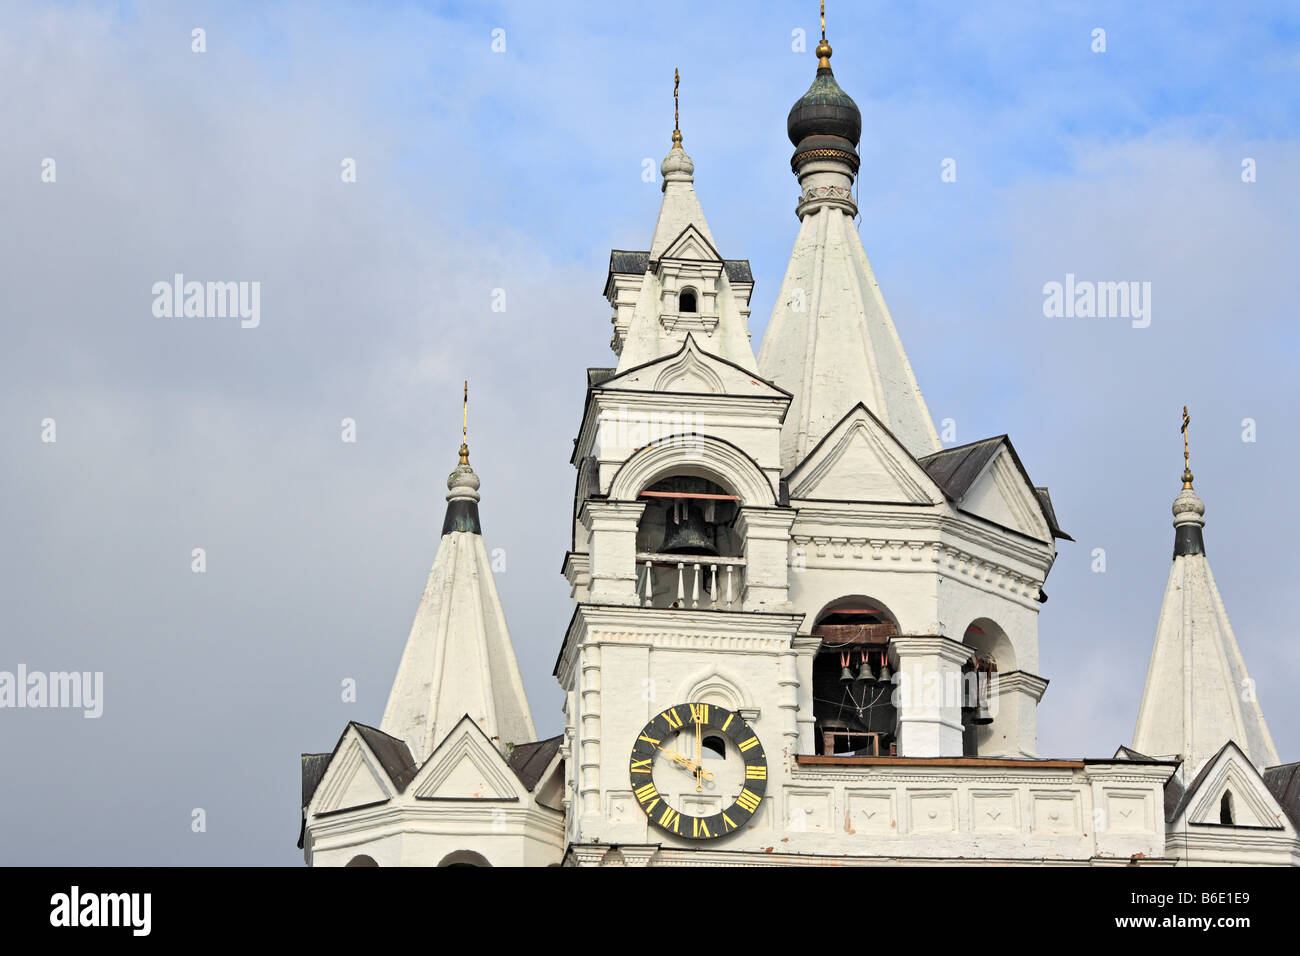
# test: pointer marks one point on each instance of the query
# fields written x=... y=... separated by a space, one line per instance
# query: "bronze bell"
x=688 y=535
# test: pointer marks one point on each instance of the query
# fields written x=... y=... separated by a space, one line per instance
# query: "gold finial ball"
x=823 y=51
x=464 y=453
x=677 y=139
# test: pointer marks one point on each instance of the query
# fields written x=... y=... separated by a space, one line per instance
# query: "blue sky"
x=520 y=170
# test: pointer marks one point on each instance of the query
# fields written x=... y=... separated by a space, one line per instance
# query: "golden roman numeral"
x=727 y=824
x=646 y=792
x=641 y=766
x=650 y=740
x=749 y=744
x=670 y=818
x=701 y=828
x=700 y=713
x=727 y=723
x=673 y=720
x=748 y=801
x=756 y=772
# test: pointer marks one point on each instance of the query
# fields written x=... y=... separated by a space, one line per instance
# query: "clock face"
x=698 y=771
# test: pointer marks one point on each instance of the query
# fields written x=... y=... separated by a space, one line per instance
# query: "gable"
x=466 y=766
x=1001 y=495
x=859 y=460
x=353 y=779
x=691 y=244
x=1252 y=805
x=692 y=370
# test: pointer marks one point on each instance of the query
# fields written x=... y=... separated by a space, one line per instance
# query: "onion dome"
x=825 y=123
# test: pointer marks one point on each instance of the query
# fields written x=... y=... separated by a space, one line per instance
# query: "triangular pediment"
x=691 y=243
x=692 y=370
x=860 y=460
x=1231 y=773
x=354 y=777
x=1001 y=493
x=467 y=766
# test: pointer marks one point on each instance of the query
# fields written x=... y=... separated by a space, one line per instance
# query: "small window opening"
x=716 y=744
x=687 y=301
x=1225 y=808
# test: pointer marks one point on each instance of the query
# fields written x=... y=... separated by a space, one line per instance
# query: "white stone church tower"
x=804 y=632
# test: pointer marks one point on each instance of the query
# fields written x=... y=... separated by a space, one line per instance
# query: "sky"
x=518 y=170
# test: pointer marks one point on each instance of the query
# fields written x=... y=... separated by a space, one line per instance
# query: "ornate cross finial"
x=823 y=50
x=677 y=122
x=464 y=428
x=1187 y=458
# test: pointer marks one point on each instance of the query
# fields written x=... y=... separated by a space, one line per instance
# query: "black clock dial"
x=694 y=755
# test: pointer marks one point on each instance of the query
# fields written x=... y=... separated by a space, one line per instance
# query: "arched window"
x=689 y=551
x=715 y=743
x=991 y=654
x=464 y=858
x=362 y=860
x=853 y=679
x=1225 y=808
x=686 y=301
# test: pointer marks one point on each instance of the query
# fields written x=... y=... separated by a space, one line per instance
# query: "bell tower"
x=678 y=567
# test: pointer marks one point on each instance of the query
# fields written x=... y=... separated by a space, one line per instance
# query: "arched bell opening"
x=853 y=706
x=464 y=858
x=991 y=654
x=687 y=302
x=361 y=859
x=690 y=553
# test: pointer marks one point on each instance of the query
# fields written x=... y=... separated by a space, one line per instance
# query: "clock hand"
x=700 y=758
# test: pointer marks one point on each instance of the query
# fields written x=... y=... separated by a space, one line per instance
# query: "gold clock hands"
x=699 y=759
x=686 y=763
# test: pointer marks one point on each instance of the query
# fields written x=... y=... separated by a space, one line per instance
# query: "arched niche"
x=992 y=654
x=853 y=706
x=701 y=456
x=464 y=858
x=362 y=859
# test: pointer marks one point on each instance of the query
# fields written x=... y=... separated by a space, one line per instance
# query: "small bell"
x=689 y=535
x=886 y=675
x=865 y=673
x=846 y=674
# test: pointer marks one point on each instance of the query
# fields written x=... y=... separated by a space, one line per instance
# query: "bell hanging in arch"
x=688 y=534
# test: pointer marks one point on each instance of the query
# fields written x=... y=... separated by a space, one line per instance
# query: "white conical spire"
x=659 y=324
x=1198 y=695
x=831 y=340
x=458 y=659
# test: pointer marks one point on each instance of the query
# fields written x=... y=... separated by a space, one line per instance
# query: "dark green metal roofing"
x=825 y=110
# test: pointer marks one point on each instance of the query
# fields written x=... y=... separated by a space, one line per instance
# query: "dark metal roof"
x=738 y=270
x=597 y=375
x=1284 y=783
x=1045 y=499
x=529 y=761
x=313 y=768
x=955 y=469
x=825 y=110
x=393 y=754
x=623 y=262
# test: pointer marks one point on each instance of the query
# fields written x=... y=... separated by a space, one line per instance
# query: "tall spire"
x=1198 y=694
x=831 y=340
x=823 y=50
x=459 y=658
